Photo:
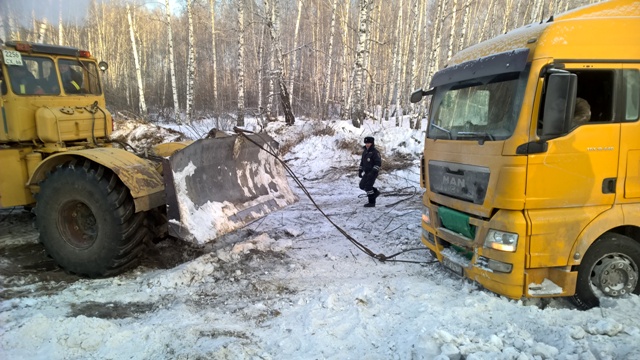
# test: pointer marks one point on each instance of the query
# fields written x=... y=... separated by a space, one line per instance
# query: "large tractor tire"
x=87 y=221
x=610 y=268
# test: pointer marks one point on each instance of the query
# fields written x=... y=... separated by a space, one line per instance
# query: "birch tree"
x=240 y=114
x=395 y=63
x=142 y=103
x=212 y=8
x=278 y=71
x=42 y=29
x=357 y=113
x=327 y=70
x=294 y=55
x=452 y=29
x=398 y=66
x=191 y=63
x=172 y=66
x=344 y=101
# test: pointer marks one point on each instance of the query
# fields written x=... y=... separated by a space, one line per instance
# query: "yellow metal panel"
x=555 y=231
x=167 y=149
x=13 y=178
x=632 y=181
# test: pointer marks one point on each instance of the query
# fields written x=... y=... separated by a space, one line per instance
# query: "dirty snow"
x=291 y=286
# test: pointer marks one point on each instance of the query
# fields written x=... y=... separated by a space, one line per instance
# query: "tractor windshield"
x=483 y=109
x=79 y=77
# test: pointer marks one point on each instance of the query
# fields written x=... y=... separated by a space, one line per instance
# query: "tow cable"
x=381 y=257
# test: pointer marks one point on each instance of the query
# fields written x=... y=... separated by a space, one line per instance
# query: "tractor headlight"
x=426 y=215
x=501 y=240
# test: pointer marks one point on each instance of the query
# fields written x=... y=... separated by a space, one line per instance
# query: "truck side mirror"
x=558 y=103
x=419 y=94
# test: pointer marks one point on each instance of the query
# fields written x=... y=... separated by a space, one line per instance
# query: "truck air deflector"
x=506 y=62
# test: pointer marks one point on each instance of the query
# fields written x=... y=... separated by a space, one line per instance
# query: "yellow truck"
x=97 y=205
x=531 y=161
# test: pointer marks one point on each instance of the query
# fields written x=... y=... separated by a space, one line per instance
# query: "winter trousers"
x=366 y=184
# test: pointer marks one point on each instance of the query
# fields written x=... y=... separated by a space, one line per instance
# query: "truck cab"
x=531 y=162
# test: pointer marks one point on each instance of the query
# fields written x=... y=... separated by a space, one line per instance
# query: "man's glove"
x=376 y=168
x=360 y=172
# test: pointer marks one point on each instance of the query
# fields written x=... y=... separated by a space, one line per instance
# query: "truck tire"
x=610 y=268
x=87 y=220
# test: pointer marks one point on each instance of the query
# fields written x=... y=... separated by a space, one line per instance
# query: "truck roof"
x=607 y=31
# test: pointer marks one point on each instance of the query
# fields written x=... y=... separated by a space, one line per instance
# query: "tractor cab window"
x=34 y=76
x=79 y=77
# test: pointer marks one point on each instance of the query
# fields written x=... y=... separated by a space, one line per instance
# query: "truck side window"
x=632 y=94
x=597 y=88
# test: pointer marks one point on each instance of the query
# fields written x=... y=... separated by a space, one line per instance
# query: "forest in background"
x=189 y=59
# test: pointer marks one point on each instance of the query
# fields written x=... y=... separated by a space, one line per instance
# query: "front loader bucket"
x=215 y=186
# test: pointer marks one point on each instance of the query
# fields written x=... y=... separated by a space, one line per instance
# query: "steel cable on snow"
x=381 y=257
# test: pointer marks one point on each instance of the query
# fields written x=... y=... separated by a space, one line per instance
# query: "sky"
x=292 y=286
x=72 y=10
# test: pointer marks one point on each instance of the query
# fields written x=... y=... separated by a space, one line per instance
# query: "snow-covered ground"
x=292 y=286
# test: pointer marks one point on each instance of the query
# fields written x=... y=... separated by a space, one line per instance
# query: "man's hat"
x=369 y=140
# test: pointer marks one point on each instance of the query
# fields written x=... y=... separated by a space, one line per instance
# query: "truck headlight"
x=426 y=215
x=501 y=240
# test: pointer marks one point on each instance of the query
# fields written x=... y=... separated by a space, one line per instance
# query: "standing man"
x=368 y=171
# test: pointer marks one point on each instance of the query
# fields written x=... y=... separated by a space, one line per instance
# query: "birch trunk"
x=240 y=116
x=142 y=105
x=344 y=97
x=42 y=29
x=462 y=43
x=485 y=24
x=212 y=8
x=191 y=63
x=357 y=113
x=60 y=27
x=172 y=66
x=294 y=55
x=452 y=29
x=436 y=38
x=414 y=61
x=507 y=12
x=278 y=72
x=395 y=63
x=327 y=70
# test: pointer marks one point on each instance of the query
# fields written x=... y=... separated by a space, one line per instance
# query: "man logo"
x=453 y=182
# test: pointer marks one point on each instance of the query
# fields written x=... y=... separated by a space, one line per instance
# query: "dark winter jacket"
x=371 y=160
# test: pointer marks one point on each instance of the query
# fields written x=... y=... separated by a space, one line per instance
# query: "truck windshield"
x=483 y=109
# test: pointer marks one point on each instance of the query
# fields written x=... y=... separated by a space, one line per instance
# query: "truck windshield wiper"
x=482 y=136
x=448 y=132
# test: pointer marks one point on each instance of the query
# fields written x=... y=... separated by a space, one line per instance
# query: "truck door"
x=630 y=133
x=576 y=177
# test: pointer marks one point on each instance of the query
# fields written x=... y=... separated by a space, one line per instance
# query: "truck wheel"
x=87 y=221
x=610 y=268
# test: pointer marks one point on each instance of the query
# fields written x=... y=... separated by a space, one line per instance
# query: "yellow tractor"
x=96 y=204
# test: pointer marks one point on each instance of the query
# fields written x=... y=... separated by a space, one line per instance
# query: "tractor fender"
x=145 y=183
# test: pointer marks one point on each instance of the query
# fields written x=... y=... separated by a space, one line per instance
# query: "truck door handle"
x=609 y=186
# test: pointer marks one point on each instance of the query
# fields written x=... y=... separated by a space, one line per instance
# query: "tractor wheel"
x=87 y=221
x=610 y=268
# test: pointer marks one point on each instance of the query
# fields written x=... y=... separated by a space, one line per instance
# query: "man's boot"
x=372 y=201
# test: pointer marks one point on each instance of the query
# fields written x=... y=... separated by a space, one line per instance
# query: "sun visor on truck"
x=506 y=62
